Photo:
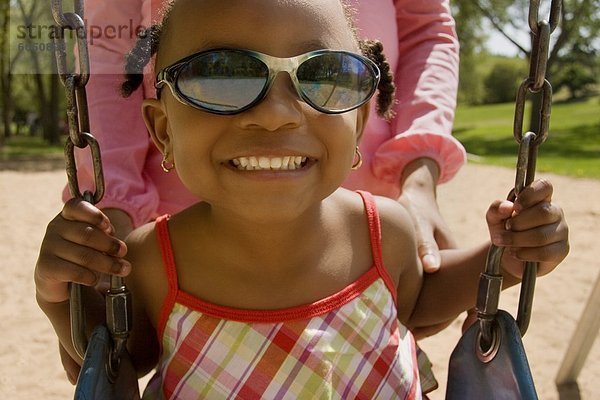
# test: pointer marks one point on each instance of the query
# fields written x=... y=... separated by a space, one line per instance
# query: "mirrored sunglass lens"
x=336 y=81
x=223 y=81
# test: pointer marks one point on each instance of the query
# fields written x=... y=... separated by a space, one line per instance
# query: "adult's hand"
x=419 y=182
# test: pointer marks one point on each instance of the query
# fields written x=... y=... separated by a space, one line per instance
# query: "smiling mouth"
x=286 y=163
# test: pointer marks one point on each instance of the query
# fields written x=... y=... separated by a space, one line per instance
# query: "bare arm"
x=78 y=246
x=530 y=229
x=122 y=224
x=452 y=289
x=148 y=284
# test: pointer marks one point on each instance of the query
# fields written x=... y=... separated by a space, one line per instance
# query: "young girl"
x=279 y=284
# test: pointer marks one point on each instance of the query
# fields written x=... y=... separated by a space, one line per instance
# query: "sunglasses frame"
x=168 y=76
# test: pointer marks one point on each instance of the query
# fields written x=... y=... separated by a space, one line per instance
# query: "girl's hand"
x=78 y=247
x=531 y=229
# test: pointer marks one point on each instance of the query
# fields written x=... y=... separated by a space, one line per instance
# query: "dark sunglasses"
x=229 y=81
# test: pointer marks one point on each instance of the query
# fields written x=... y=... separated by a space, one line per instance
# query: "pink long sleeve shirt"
x=421 y=46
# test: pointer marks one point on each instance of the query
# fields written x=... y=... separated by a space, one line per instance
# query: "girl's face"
x=207 y=148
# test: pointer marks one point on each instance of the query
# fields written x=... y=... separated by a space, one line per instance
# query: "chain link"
x=535 y=84
x=74 y=83
x=544 y=117
x=118 y=301
x=534 y=15
x=539 y=56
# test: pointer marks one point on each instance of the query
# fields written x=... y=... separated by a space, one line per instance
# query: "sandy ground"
x=29 y=363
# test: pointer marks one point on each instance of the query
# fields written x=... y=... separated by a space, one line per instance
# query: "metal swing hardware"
x=118 y=299
x=489 y=361
x=490 y=283
x=536 y=84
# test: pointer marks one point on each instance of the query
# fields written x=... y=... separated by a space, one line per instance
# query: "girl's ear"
x=361 y=119
x=157 y=124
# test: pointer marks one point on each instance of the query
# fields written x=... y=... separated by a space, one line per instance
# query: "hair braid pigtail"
x=373 y=49
x=141 y=54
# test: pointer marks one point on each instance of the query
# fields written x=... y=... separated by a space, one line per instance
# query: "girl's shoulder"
x=395 y=220
x=395 y=224
x=148 y=275
x=142 y=244
x=398 y=241
x=399 y=253
x=141 y=234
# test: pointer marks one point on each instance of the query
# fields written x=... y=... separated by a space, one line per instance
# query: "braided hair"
x=148 y=43
x=373 y=49
x=144 y=49
x=137 y=58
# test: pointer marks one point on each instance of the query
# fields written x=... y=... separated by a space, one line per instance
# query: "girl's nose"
x=281 y=107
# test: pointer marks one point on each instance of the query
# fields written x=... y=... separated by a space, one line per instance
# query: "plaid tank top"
x=348 y=345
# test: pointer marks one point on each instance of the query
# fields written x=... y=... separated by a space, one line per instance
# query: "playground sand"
x=29 y=362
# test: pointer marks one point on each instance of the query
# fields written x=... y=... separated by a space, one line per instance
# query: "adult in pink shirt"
x=403 y=159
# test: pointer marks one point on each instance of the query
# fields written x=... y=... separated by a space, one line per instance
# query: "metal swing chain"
x=536 y=84
x=118 y=302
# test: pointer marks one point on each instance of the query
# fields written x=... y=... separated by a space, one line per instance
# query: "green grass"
x=23 y=146
x=572 y=147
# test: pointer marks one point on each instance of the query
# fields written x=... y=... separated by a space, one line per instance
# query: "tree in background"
x=573 y=57
x=573 y=63
x=502 y=82
x=472 y=38
x=580 y=75
x=42 y=67
x=4 y=77
x=29 y=83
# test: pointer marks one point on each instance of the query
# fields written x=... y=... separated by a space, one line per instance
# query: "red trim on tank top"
x=375 y=236
x=305 y=311
x=166 y=250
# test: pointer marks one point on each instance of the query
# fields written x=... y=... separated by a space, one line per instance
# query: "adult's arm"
x=426 y=81
x=420 y=151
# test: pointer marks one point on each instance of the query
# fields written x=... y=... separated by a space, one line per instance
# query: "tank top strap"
x=166 y=250
x=168 y=258
x=375 y=237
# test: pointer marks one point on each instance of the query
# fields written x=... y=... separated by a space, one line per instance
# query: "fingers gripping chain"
x=536 y=84
x=118 y=301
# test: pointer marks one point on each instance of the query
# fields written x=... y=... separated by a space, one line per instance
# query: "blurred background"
x=495 y=50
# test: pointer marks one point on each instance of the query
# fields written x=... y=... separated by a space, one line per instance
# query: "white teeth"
x=276 y=163
x=264 y=163
x=269 y=163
